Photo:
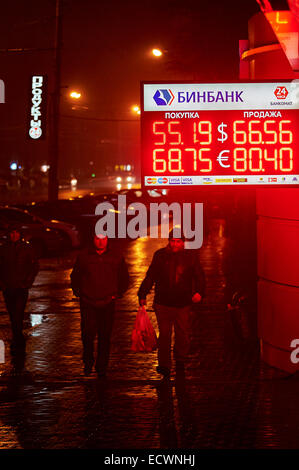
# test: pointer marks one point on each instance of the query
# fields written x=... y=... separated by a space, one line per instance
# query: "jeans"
x=96 y=322
x=179 y=319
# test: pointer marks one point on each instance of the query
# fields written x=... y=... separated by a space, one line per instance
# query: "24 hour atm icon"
x=281 y=92
x=163 y=97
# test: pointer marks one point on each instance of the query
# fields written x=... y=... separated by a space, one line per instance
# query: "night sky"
x=105 y=55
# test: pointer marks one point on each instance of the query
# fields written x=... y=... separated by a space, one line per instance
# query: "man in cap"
x=18 y=269
x=179 y=283
x=100 y=275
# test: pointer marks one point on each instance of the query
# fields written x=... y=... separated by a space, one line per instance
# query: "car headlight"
x=129 y=179
x=118 y=179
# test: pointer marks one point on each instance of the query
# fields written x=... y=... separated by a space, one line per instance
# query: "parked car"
x=76 y=212
x=64 y=210
x=43 y=238
x=69 y=231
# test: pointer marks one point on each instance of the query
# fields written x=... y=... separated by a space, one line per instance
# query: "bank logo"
x=207 y=180
x=281 y=92
x=187 y=180
x=174 y=180
x=163 y=97
x=223 y=180
x=150 y=180
x=162 y=180
x=240 y=180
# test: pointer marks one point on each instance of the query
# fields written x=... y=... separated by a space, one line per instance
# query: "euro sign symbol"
x=221 y=157
x=221 y=130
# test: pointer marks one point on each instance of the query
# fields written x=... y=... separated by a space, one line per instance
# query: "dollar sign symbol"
x=224 y=135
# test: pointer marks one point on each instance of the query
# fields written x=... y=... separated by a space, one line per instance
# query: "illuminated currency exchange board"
x=220 y=134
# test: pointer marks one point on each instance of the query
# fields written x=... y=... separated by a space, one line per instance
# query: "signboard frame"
x=163 y=176
x=36 y=128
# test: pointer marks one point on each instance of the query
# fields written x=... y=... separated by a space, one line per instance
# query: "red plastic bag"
x=144 y=337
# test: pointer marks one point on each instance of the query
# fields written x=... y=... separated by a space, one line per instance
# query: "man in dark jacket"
x=100 y=275
x=18 y=268
x=179 y=283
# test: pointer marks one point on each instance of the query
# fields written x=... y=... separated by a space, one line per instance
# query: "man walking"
x=179 y=283
x=18 y=269
x=100 y=275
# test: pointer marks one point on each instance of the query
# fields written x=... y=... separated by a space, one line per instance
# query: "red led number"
x=248 y=153
x=203 y=128
x=158 y=130
x=254 y=134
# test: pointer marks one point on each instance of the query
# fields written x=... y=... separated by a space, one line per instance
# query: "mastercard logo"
x=151 y=180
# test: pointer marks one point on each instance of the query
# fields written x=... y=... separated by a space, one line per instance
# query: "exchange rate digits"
x=205 y=146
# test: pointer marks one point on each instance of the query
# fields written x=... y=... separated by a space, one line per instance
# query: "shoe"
x=164 y=371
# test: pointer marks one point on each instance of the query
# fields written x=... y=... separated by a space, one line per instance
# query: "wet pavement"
x=228 y=398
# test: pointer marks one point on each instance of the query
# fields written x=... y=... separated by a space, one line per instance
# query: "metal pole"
x=54 y=110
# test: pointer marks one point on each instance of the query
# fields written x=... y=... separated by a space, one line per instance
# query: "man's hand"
x=196 y=298
x=142 y=302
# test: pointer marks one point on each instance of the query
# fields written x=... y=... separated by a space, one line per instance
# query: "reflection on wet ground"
x=226 y=399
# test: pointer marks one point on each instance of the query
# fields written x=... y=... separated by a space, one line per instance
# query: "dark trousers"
x=15 y=300
x=96 y=322
x=179 y=319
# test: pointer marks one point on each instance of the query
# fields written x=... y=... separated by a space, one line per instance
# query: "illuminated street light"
x=157 y=52
x=136 y=109
x=75 y=95
x=74 y=182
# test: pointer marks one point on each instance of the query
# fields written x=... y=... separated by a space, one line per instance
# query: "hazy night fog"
x=106 y=52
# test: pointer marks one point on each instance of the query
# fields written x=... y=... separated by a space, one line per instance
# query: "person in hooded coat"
x=99 y=276
x=179 y=283
x=18 y=269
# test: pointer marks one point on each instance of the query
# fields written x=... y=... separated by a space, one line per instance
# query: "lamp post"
x=54 y=111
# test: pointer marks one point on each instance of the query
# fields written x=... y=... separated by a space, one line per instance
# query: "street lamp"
x=136 y=109
x=75 y=95
x=157 y=52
